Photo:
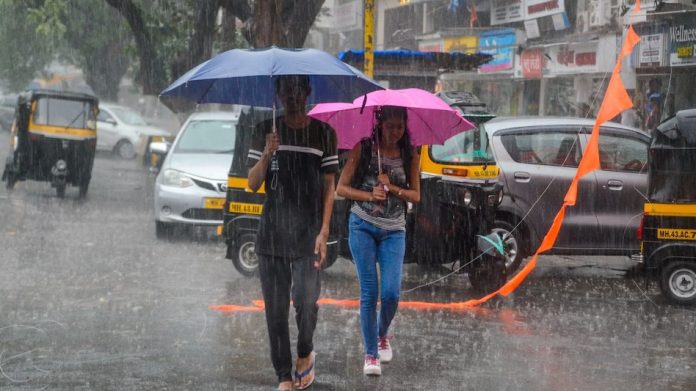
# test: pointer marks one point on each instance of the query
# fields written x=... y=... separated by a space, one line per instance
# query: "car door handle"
x=614 y=184
x=522 y=177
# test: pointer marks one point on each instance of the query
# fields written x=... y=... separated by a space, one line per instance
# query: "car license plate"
x=240 y=207
x=676 y=234
x=214 y=203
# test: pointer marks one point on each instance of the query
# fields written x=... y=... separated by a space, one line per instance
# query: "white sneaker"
x=384 y=349
x=372 y=366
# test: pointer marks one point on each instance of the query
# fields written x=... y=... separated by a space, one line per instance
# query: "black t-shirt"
x=292 y=211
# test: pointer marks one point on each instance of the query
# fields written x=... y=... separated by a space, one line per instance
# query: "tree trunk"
x=151 y=74
x=104 y=72
x=284 y=23
x=201 y=43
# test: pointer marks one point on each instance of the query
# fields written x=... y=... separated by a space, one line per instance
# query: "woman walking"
x=381 y=176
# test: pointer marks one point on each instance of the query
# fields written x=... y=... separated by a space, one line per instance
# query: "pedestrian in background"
x=294 y=226
x=381 y=176
x=631 y=117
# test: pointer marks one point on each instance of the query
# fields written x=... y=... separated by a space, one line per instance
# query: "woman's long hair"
x=405 y=147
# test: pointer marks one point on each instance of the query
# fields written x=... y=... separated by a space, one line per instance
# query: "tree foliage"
x=172 y=36
x=22 y=56
x=159 y=39
x=79 y=32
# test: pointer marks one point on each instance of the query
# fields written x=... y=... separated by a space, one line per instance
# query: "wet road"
x=89 y=299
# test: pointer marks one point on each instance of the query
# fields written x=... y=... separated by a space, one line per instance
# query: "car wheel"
x=678 y=282
x=164 y=230
x=245 y=260
x=125 y=150
x=512 y=244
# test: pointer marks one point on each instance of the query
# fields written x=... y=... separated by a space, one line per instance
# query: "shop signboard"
x=434 y=45
x=539 y=8
x=650 y=51
x=347 y=16
x=572 y=58
x=532 y=63
x=506 y=11
x=682 y=45
x=500 y=44
x=464 y=44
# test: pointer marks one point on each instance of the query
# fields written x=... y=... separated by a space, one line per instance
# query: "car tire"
x=125 y=150
x=244 y=256
x=515 y=251
x=678 y=282
x=164 y=230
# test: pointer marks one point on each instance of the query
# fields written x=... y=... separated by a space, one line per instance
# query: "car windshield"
x=63 y=112
x=208 y=136
x=469 y=147
x=130 y=117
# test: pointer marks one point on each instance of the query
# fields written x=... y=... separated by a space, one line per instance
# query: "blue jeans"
x=370 y=245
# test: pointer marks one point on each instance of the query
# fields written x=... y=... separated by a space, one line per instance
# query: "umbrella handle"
x=274 y=157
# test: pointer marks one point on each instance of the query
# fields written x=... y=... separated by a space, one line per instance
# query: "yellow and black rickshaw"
x=668 y=229
x=53 y=138
x=453 y=222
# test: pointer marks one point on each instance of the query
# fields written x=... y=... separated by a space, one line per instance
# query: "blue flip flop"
x=309 y=371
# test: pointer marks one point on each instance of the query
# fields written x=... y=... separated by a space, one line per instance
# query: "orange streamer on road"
x=615 y=101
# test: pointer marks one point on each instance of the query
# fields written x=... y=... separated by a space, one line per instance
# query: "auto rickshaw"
x=453 y=222
x=460 y=194
x=668 y=228
x=53 y=139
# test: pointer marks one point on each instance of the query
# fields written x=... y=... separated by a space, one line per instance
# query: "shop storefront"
x=575 y=76
x=666 y=64
x=493 y=81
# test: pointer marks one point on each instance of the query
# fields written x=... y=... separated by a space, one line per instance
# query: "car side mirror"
x=111 y=121
x=159 y=147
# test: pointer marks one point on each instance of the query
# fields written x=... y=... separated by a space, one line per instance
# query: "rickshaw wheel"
x=60 y=190
x=678 y=282
x=488 y=274
x=331 y=256
x=83 y=189
x=245 y=260
x=10 y=181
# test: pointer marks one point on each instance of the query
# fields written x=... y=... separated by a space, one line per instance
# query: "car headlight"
x=500 y=196
x=175 y=178
x=467 y=197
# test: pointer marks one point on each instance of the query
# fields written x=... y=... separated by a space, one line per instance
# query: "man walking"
x=298 y=162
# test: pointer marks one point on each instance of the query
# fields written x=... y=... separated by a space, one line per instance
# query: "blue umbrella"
x=246 y=76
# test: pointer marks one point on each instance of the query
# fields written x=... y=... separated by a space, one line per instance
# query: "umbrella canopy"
x=430 y=119
x=246 y=77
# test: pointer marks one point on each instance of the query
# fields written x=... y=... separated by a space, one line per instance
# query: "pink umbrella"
x=430 y=119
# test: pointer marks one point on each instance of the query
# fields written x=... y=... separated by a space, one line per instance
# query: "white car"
x=122 y=130
x=191 y=186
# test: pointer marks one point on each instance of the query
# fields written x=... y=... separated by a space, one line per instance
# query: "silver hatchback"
x=191 y=185
x=538 y=158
